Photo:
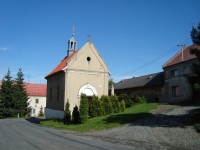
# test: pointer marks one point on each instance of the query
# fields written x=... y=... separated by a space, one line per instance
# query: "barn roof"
x=146 y=80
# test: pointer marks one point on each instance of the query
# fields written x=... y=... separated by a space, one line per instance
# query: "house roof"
x=146 y=80
x=182 y=56
x=61 y=65
x=33 y=89
x=36 y=89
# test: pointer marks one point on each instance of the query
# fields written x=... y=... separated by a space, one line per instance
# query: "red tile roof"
x=61 y=65
x=33 y=89
x=36 y=89
x=182 y=56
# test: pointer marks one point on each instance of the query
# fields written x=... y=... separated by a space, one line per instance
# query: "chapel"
x=80 y=71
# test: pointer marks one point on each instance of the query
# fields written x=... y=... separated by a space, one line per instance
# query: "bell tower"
x=71 y=44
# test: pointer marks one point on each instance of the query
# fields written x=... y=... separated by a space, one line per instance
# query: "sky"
x=134 y=37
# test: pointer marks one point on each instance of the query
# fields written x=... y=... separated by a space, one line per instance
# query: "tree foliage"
x=115 y=103
x=20 y=96
x=67 y=114
x=13 y=97
x=195 y=81
x=41 y=112
x=93 y=107
x=76 y=115
x=127 y=100
x=84 y=108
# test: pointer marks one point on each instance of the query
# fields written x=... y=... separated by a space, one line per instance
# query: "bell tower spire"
x=71 y=44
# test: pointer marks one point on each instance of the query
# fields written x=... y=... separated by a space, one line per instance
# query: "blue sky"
x=134 y=37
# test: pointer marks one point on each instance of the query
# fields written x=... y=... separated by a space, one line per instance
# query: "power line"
x=174 y=48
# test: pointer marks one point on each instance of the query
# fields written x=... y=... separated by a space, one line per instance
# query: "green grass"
x=105 y=122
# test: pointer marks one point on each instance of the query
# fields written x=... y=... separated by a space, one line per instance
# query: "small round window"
x=88 y=59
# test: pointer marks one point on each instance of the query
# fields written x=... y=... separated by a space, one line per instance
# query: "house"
x=150 y=86
x=81 y=71
x=177 y=70
x=36 y=98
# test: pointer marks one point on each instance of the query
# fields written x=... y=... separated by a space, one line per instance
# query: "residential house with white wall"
x=37 y=98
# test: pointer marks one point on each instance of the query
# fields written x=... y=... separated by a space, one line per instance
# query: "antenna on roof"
x=182 y=47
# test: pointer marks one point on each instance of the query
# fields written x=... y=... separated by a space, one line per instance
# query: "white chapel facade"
x=81 y=71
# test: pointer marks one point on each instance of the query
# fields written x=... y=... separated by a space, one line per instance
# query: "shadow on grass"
x=158 y=120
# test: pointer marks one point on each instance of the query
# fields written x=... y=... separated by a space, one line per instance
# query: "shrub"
x=8 y=112
x=93 y=107
x=141 y=99
x=84 y=108
x=76 y=115
x=100 y=109
x=107 y=105
x=41 y=114
x=67 y=115
x=115 y=103
x=127 y=100
x=122 y=106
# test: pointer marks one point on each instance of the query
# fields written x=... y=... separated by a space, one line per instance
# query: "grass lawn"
x=99 y=123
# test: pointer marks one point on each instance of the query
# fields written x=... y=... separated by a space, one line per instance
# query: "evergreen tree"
x=93 y=107
x=107 y=105
x=67 y=115
x=76 y=115
x=84 y=108
x=41 y=113
x=115 y=103
x=20 y=96
x=127 y=100
x=195 y=81
x=122 y=106
x=6 y=97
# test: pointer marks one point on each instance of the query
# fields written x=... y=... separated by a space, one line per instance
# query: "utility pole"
x=182 y=48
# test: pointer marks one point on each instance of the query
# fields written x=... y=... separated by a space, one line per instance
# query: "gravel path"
x=169 y=127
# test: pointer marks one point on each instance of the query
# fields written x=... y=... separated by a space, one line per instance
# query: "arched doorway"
x=88 y=90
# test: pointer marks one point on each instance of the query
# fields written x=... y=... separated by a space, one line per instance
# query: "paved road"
x=19 y=134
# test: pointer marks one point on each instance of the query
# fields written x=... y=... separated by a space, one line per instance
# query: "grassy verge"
x=105 y=122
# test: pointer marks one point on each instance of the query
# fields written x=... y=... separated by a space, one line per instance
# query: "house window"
x=58 y=93
x=33 y=111
x=174 y=73
x=50 y=94
x=175 y=91
x=37 y=101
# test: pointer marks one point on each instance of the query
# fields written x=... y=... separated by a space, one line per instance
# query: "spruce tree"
x=76 y=115
x=20 y=95
x=6 y=97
